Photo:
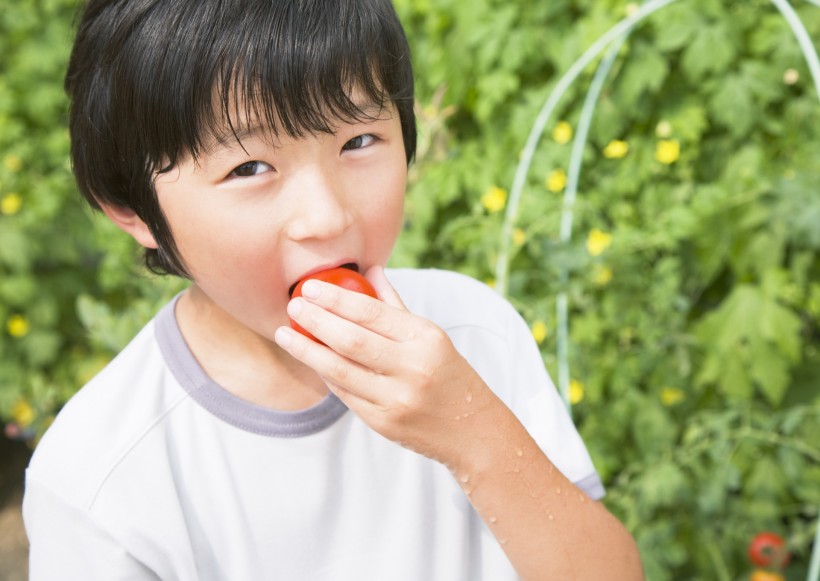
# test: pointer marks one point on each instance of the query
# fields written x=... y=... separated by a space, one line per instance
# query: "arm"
x=402 y=376
x=66 y=543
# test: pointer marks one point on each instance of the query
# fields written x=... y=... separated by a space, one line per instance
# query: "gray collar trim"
x=227 y=407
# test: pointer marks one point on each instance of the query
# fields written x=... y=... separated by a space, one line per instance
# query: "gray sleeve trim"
x=593 y=486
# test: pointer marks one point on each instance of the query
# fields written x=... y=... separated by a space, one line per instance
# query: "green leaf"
x=42 y=347
x=663 y=485
x=734 y=380
x=733 y=107
x=690 y=121
x=766 y=478
x=770 y=371
x=645 y=71
x=677 y=25
x=711 y=51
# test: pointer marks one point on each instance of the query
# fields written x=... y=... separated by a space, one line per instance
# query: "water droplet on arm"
x=469 y=397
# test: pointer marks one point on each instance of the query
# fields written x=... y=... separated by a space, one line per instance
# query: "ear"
x=128 y=221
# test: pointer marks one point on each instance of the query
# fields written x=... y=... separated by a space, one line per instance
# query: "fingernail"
x=283 y=337
x=311 y=289
x=294 y=307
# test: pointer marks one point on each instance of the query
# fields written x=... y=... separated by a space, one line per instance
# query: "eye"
x=251 y=168
x=359 y=142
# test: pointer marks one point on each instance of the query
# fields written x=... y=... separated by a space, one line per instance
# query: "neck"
x=241 y=361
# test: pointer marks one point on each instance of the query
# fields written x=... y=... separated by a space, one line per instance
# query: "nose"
x=322 y=209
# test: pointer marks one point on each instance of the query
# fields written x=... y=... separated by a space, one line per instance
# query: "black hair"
x=151 y=81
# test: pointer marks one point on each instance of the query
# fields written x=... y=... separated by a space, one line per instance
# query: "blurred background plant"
x=691 y=277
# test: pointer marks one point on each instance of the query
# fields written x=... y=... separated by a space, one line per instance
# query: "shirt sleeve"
x=495 y=339
x=66 y=542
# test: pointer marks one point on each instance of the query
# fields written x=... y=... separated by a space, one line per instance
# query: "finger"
x=345 y=337
x=390 y=321
x=344 y=377
x=383 y=287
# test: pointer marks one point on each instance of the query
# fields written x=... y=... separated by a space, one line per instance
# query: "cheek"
x=220 y=245
x=386 y=216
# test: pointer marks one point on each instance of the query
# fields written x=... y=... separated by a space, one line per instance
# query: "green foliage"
x=52 y=250
x=692 y=274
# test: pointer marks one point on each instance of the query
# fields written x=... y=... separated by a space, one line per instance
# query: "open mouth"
x=350 y=266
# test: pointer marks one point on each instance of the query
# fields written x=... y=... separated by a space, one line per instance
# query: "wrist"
x=493 y=440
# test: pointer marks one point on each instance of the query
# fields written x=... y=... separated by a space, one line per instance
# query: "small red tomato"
x=343 y=277
x=763 y=575
x=768 y=549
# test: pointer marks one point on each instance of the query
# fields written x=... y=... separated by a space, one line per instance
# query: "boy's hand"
x=400 y=373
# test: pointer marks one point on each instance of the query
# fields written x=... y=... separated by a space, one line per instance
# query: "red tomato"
x=762 y=575
x=343 y=277
x=768 y=550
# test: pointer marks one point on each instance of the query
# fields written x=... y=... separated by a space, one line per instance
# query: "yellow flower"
x=556 y=180
x=616 y=149
x=494 y=199
x=598 y=241
x=13 y=162
x=17 y=326
x=519 y=237
x=539 y=331
x=562 y=132
x=10 y=204
x=22 y=413
x=791 y=76
x=663 y=129
x=490 y=282
x=667 y=151
x=671 y=396
x=576 y=391
x=602 y=276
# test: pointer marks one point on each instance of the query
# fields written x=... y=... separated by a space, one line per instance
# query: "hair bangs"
x=300 y=70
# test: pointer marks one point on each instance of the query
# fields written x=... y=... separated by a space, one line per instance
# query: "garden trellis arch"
x=613 y=39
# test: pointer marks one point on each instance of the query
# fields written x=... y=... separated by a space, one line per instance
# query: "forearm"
x=548 y=528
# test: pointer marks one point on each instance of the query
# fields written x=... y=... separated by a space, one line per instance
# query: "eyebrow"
x=229 y=134
x=232 y=135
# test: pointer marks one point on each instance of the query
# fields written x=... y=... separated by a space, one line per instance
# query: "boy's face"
x=250 y=220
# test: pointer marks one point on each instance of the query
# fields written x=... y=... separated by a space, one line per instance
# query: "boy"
x=247 y=144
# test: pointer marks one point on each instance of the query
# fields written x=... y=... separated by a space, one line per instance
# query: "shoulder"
x=104 y=420
x=451 y=299
x=483 y=326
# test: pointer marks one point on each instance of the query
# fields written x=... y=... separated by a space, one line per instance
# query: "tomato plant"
x=343 y=277
x=768 y=549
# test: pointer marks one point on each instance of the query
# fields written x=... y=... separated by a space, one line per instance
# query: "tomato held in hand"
x=343 y=277
x=768 y=550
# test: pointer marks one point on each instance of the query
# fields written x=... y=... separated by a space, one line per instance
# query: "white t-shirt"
x=153 y=471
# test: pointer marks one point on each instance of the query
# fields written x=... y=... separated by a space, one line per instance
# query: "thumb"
x=384 y=289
